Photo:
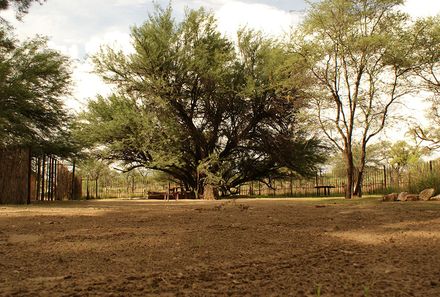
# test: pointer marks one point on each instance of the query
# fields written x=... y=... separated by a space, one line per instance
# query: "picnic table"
x=326 y=190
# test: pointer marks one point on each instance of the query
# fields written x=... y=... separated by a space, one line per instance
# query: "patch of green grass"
x=366 y=291
x=318 y=290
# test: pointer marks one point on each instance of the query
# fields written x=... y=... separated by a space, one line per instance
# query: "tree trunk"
x=359 y=182
x=350 y=174
x=87 y=186
x=360 y=175
x=210 y=192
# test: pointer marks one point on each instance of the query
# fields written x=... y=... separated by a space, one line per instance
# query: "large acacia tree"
x=358 y=54
x=190 y=103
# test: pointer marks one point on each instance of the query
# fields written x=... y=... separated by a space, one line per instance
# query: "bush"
x=425 y=181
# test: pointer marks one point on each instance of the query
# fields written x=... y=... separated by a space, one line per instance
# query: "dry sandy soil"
x=242 y=248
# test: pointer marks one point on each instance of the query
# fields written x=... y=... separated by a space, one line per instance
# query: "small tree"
x=93 y=170
x=403 y=156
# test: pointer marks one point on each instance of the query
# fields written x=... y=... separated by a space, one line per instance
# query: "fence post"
x=55 y=165
x=48 y=169
x=29 y=176
x=43 y=173
x=73 y=181
x=37 y=196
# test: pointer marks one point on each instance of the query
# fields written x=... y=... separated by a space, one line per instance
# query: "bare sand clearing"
x=241 y=248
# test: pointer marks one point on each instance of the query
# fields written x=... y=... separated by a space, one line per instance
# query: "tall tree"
x=427 y=32
x=33 y=79
x=190 y=104
x=358 y=56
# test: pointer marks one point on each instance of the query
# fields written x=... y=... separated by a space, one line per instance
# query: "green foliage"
x=188 y=95
x=403 y=156
x=358 y=56
x=377 y=155
x=93 y=169
x=425 y=181
x=33 y=79
x=427 y=34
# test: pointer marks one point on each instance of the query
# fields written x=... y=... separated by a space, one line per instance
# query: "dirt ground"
x=236 y=248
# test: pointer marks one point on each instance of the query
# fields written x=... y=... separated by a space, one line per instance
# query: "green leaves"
x=33 y=78
x=187 y=97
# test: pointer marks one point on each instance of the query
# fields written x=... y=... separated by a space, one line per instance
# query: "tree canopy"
x=189 y=102
x=427 y=32
x=358 y=55
x=33 y=79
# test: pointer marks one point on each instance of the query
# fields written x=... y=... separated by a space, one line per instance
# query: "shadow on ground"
x=239 y=248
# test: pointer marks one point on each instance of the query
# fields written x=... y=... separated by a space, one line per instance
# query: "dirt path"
x=242 y=248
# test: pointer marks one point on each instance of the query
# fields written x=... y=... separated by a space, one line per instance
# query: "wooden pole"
x=52 y=161
x=43 y=175
x=55 y=174
x=38 y=178
x=72 y=196
x=29 y=176
x=49 y=179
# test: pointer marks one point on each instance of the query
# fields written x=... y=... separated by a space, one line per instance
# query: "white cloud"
x=115 y=39
x=233 y=15
x=87 y=85
x=71 y=51
x=422 y=8
x=78 y=28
